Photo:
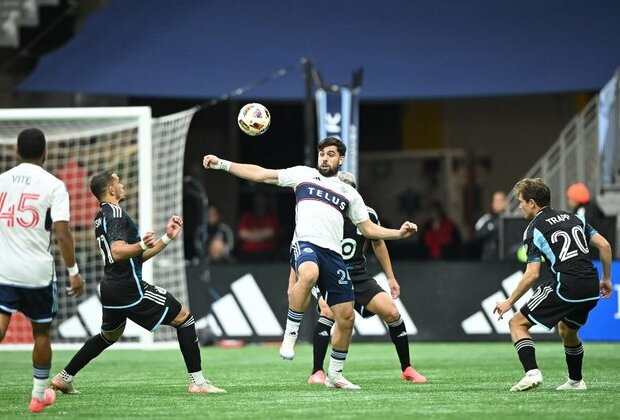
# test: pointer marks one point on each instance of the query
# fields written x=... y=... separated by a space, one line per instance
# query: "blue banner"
x=338 y=115
x=604 y=320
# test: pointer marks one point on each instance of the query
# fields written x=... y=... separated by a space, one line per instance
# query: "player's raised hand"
x=149 y=239
x=174 y=226
x=76 y=286
x=210 y=161
x=408 y=229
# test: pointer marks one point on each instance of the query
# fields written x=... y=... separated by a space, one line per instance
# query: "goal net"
x=147 y=153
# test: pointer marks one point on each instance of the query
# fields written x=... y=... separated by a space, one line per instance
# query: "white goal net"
x=147 y=153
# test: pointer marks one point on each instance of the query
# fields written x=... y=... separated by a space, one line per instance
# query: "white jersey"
x=322 y=204
x=27 y=193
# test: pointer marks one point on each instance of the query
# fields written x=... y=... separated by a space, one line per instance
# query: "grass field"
x=466 y=381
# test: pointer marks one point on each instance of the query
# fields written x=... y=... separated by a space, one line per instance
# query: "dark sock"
x=527 y=353
x=574 y=361
x=321 y=341
x=398 y=333
x=188 y=342
x=91 y=349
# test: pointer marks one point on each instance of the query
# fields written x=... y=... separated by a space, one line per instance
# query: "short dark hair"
x=333 y=141
x=534 y=189
x=99 y=182
x=31 y=144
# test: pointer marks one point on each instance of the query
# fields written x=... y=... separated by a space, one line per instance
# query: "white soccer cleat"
x=287 y=349
x=341 y=382
x=63 y=386
x=571 y=385
x=531 y=380
x=205 y=388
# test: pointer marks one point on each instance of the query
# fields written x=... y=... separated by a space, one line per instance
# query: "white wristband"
x=165 y=239
x=73 y=270
x=223 y=165
x=143 y=245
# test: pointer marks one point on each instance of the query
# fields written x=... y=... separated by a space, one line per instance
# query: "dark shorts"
x=546 y=308
x=334 y=283
x=38 y=304
x=157 y=307
x=365 y=288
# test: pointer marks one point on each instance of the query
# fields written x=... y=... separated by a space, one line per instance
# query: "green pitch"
x=466 y=381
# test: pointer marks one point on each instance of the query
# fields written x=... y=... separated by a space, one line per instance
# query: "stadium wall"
x=440 y=301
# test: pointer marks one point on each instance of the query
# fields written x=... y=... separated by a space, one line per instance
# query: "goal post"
x=147 y=153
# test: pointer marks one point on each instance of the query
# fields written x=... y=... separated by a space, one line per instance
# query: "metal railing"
x=574 y=157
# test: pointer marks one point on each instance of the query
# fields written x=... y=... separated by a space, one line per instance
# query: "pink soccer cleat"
x=36 y=405
x=412 y=375
x=317 y=378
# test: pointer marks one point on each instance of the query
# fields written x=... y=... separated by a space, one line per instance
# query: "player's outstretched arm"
x=381 y=252
x=173 y=228
x=242 y=170
x=529 y=277
x=605 y=253
x=373 y=231
x=64 y=237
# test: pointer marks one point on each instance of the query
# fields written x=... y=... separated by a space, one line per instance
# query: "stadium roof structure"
x=407 y=48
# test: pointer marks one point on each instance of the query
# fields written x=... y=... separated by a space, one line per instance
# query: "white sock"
x=336 y=363
x=292 y=327
x=532 y=372
x=197 y=378
x=38 y=389
x=293 y=319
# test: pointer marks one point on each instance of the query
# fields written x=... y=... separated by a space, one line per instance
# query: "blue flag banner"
x=338 y=115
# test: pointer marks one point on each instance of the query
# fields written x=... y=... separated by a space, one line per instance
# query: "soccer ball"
x=254 y=119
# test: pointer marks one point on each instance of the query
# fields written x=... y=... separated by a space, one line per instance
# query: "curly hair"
x=533 y=189
x=333 y=141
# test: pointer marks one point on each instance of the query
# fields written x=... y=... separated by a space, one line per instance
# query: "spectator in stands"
x=440 y=235
x=258 y=230
x=221 y=240
x=582 y=204
x=487 y=228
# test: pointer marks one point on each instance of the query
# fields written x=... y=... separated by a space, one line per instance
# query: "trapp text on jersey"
x=557 y=219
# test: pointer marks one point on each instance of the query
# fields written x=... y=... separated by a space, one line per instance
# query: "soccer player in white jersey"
x=32 y=203
x=322 y=203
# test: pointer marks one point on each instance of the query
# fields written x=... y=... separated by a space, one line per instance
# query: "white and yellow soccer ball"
x=254 y=119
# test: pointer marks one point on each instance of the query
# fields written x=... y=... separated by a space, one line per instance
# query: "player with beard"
x=323 y=201
x=370 y=298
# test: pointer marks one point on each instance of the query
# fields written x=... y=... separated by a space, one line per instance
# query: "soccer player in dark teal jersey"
x=124 y=295
x=563 y=238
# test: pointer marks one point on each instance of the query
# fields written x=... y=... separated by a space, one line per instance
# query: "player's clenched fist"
x=210 y=161
x=407 y=229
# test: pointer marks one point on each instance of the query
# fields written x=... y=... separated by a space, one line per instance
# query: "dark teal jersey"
x=353 y=244
x=122 y=284
x=563 y=238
